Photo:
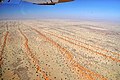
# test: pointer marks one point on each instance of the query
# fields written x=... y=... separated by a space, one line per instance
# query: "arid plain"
x=59 y=50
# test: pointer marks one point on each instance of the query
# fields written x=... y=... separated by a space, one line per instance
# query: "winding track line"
x=105 y=50
x=68 y=55
x=110 y=57
x=3 y=46
x=35 y=60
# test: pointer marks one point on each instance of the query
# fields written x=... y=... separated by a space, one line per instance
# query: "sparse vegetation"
x=59 y=50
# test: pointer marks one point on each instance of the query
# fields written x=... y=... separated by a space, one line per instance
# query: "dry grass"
x=59 y=50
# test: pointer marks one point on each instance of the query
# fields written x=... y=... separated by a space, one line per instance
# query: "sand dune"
x=59 y=50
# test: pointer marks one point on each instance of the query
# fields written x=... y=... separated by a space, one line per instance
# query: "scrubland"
x=59 y=50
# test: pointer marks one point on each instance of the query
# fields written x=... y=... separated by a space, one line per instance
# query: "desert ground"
x=59 y=50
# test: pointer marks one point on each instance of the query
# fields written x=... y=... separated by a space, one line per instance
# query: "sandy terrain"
x=59 y=50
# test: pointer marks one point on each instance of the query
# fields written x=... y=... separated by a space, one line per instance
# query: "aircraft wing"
x=39 y=2
x=47 y=2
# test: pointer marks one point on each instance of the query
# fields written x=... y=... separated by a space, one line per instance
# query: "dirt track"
x=59 y=50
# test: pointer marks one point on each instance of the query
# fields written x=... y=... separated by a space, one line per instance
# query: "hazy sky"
x=78 y=9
